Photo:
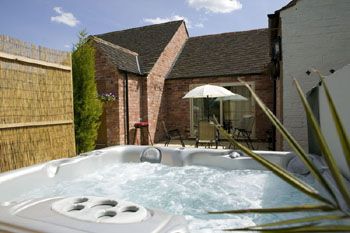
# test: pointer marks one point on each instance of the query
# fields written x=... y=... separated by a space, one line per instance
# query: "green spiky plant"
x=329 y=204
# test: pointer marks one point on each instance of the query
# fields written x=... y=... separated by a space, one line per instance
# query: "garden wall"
x=315 y=34
x=36 y=104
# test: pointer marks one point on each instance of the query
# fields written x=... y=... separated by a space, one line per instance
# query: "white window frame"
x=224 y=84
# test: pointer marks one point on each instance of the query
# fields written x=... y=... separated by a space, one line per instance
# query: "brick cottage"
x=158 y=64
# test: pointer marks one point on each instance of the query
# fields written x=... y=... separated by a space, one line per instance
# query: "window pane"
x=200 y=112
x=233 y=111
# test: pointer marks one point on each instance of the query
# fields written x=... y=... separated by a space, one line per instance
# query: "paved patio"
x=222 y=144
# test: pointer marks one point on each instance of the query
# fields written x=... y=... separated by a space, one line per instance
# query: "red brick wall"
x=111 y=80
x=178 y=109
x=121 y=110
x=107 y=82
x=155 y=83
x=135 y=89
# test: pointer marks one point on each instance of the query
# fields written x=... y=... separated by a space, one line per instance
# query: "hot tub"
x=31 y=199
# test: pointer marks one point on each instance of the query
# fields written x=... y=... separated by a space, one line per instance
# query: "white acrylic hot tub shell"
x=16 y=182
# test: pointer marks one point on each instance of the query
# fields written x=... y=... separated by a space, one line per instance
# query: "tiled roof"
x=122 y=58
x=148 y=41
x=233 y=53
x=289 y=5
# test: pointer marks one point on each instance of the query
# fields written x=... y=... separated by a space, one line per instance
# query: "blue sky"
x=56 y=23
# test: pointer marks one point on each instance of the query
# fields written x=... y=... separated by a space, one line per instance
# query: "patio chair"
x=207 y=134
x=244 y=130
x=172 y=134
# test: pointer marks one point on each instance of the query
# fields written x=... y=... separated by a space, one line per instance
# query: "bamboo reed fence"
x=36 y=104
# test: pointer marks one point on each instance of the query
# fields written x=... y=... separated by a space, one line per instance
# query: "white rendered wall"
x=339 y=87
x=315 y=34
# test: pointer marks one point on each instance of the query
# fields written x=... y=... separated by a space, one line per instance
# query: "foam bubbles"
x=189 y=191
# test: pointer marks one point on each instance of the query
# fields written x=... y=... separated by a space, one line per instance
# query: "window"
x=228 y=113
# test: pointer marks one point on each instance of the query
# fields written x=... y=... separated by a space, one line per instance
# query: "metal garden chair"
x=172 y=134
x=243 y=130
x=207 y=134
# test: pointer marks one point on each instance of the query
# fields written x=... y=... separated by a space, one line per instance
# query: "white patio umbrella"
x=210 y=91
x=235 y=97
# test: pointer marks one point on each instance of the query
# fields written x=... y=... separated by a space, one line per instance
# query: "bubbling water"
x=190 y=191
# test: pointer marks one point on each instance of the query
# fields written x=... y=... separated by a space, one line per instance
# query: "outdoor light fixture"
x=276 y=52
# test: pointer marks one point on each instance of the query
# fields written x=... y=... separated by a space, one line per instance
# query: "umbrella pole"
x=208 y=107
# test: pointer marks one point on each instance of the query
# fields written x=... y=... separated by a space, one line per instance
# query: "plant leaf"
x=302 y=220
x=293 y=144
x=278 y=210
x=279 y=171
x=322 y=228
x=305 y=228
x=344 y=139
x=281 y=229
x=337 y=176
